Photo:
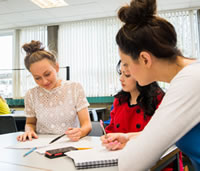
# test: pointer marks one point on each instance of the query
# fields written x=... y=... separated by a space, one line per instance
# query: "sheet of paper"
x=82 y=143
x=42 y=143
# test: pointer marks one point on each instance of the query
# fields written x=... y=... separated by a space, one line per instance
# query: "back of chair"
x=96 y=129
x=7 y=124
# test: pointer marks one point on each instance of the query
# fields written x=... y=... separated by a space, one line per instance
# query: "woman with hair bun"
x=55 y=106
x=148 y=49
x=133 y=108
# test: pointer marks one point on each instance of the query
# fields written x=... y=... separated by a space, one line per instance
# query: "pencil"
x=101 y=123
x=30 y=151
x=83 y=148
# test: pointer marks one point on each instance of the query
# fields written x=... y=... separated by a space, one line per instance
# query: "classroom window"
x=6 y=53
x=186 y=25
x=89 y=48
x=24 y=79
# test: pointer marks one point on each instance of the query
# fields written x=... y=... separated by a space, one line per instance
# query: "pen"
x=57 y=138
x=30 y=151
x=101 y=123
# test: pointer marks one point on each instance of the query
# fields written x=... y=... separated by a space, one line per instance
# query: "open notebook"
x=94 y=158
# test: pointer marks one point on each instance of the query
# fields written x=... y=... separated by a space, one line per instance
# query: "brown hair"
x=35 y=52
x=144 y=31
x=149 y=98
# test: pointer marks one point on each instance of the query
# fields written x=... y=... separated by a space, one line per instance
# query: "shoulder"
x=191 y=70
x=116 y=102
x=73 y=86
x=32 y=91
x=71 y=83
x=1 y=102
x=188 y=78
x=184 y=89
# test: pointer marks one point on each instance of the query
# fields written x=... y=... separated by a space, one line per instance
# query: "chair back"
x=7 y=124
x=96 y=129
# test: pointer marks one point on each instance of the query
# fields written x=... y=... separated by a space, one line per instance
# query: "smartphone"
x=59 y=152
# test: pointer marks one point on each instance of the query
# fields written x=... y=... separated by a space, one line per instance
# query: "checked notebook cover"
x=94 y=158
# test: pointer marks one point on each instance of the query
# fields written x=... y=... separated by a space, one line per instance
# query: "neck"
x=134 y=95
x=170 y=70
x=58 y=83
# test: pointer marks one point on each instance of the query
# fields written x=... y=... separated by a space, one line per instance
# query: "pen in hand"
x=101 y=123
x=57 y=138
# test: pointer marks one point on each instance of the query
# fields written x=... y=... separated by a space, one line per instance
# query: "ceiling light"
x=49 y=3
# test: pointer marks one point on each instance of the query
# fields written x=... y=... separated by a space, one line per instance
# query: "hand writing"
x=74 y=134
x=114 y=141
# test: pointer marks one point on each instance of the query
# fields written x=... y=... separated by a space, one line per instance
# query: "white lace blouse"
x=56 y=110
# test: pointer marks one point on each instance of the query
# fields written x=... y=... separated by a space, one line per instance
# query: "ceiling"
x=21 y=13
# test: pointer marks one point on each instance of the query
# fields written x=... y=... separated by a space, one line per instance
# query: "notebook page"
x=93 y=155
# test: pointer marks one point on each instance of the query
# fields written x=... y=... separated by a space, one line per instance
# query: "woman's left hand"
x=74 y=134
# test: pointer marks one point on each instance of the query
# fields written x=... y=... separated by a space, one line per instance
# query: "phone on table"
x=58 y=152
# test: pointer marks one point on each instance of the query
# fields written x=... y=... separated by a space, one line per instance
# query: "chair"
x=96 y=130
x=93 y=115
x=107 y=122
x=7 y=124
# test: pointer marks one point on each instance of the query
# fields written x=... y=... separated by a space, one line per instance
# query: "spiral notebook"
x=94 y=158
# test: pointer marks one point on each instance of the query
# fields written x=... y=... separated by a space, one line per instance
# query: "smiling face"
x=45 y=73
x=139 y=69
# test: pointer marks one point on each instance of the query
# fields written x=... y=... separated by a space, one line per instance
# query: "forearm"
x=30 y=124
x=85 y=123
x=30 y=127
x=164 y=129
x=133 y=135
x=85 y=129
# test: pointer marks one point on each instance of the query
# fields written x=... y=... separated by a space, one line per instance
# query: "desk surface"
x=12 y=159
x=18 y=113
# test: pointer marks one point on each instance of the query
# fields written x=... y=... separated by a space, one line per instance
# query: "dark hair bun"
x=137 y=11
x=32 y=47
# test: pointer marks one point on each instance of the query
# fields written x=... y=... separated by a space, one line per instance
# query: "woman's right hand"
x=115 y=141
x=28 y=135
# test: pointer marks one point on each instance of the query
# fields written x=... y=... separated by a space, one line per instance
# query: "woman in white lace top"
x=55 y=106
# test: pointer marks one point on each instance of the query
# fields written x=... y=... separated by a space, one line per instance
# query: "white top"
x=55 y=110
x=177 y=114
